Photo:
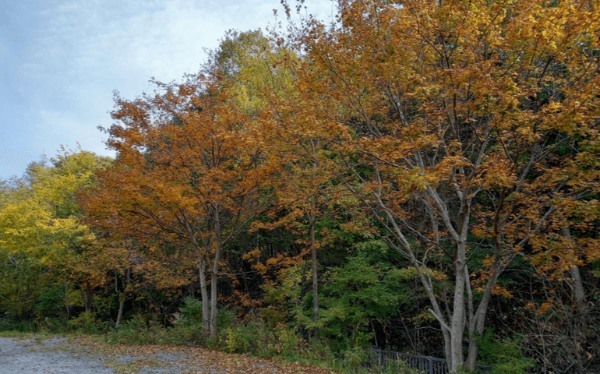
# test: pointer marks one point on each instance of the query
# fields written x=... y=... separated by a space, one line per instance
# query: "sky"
x=62 y=60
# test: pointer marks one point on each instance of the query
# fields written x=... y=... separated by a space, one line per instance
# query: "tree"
x=41 y=234
x=189 y=172
x=458 y=109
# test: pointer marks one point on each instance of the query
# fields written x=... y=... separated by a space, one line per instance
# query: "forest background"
x=418 y=175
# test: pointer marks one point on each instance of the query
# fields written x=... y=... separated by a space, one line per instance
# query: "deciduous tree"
x=458 y=110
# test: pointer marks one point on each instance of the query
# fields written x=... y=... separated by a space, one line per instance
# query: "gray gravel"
x=46 y=356
x=58 y=355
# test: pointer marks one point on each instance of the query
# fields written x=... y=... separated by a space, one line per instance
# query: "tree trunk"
x=68 y=307
x=578 y=290
x=457 y=323
x=122 y=299
x=121 y=295
x=218 y=247
x=213 y=296
x=89 y=298
x=477 y=322
x=315 y=278
x=204 y=294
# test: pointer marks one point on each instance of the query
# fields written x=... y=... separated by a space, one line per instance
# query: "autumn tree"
x=189 y=172
x=42 y=237
x=267 y=83
x=459 y=111
x=306 y=192
x=264 y=85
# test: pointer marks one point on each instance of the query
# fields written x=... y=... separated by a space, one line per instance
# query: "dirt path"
x=80 y=355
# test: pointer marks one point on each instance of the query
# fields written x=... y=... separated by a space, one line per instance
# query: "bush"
x=251 y=336
x=505 y=356
x=8 y=324
x=49 y=324
x=191 y=312
x=86 y=322
x=187 y=327
x=139 y=331
x=354 y=358
x=286 y=341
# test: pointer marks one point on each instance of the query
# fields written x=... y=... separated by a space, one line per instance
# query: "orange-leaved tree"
x=189 y=172
x=460 y=112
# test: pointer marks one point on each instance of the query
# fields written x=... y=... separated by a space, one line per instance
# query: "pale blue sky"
x=61 y=60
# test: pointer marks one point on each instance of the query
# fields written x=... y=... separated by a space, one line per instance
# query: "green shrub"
x=395 y=367
x=226 y=317
x=138 y=330
x=50 y=324
x=187 y=327
x=353 y=358
x=86 y=322
x=250 y=336
x=286 y=341
x=504 y=356
x=191 y=312
x=9 y=324
x=51 y=303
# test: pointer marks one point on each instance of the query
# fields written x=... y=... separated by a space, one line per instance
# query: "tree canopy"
x=419 y=175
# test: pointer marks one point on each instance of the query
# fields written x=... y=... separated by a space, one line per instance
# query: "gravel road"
x=45 y=356
x=58 y=355
x=82 y=355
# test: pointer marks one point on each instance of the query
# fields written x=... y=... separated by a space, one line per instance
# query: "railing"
x=422 y=363
x=426 y=364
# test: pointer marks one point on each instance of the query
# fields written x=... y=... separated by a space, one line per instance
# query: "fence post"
x=430 y=365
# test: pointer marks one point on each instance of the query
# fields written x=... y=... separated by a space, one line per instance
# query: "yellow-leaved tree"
x=40 y=230
x=474 y=127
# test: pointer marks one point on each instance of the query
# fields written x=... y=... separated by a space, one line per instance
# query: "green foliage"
x=365 y=289
x=505 y=356
x=41 y=239
x=9 y=324
x=50 y=324
x=187 y=327
x=141 y=329
x=19 y=285
x=86 y=322
x=51 y=302
x=354 y=358
x=138 y=330
x=249 y=337
x=394 y=367
x=255 y=336
x=286 y=341
x=191 y=312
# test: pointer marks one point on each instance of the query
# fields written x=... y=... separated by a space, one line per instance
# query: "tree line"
x=420 y=175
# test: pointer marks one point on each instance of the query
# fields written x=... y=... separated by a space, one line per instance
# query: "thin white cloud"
x=69 y=55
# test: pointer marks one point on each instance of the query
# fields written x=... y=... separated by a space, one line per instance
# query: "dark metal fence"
x=426 y=364
x=422 y=363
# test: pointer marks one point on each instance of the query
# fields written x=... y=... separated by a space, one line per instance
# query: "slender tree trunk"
x=122 y=299
x=315 y=278
x=215 y=274
x=66 y=302
x=477 y=321
x=578 y=290
x=213 y=297
x=89 y=298
x=204 y=294
x=404 y=246
x=457 y=323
